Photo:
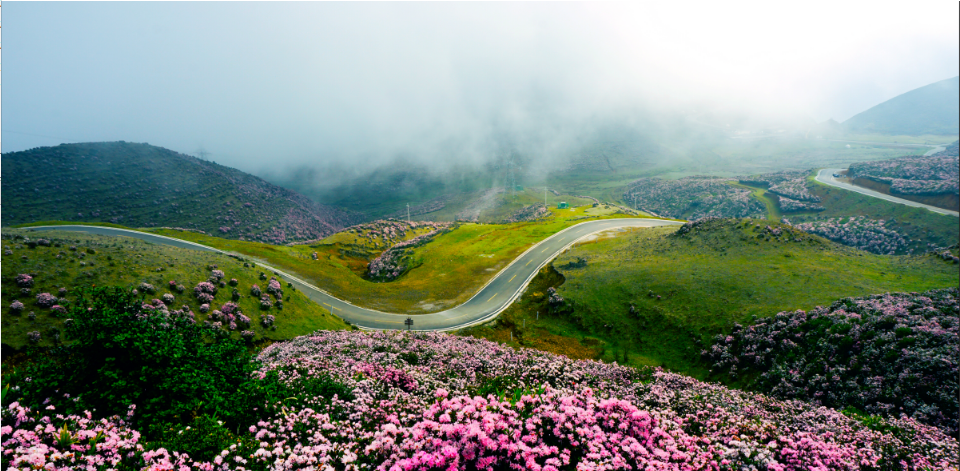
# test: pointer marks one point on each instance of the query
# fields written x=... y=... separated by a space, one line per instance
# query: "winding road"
x=826 y=177
x=492 y=299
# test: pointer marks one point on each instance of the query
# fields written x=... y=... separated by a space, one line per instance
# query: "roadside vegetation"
x=445 y=272
x=658 y=297
x=43 y=274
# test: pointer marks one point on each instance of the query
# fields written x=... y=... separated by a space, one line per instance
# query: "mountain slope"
x=932 y=109
x=146 y=186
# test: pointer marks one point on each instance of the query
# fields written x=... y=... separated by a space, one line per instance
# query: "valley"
x=480 y=236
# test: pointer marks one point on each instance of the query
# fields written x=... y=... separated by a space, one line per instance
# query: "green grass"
x=707 y=281
x=450 y=269
x=122 y=261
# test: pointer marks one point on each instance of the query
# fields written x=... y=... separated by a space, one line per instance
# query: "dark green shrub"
x=172 y=369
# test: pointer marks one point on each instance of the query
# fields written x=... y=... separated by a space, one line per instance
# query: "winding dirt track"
x=492 y=299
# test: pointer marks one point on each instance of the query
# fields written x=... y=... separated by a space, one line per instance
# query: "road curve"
x=492 y=299
x=826 y=177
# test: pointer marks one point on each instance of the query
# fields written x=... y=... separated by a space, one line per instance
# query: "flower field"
x=529 y=213
x=692 y=198
x=138 y=185
x=914 y=175
x=400 y=401
x=891 y=354
x=860 y=232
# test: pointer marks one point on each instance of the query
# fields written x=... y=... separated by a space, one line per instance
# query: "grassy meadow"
x=685 y=289
x=127 y=262
x=449 y=270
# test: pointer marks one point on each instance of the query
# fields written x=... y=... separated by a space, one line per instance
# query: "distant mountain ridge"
x=931 y=109
x=141 y=185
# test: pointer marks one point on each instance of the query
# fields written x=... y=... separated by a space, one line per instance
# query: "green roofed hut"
x=563 y=205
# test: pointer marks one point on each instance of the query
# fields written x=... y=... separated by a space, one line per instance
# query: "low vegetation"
x=658 y=296
x=428 y=401
x=887 y=354
x=692 y=198
x=139 y=185
x=924 y=230
x=438 y=275
x=60 y=264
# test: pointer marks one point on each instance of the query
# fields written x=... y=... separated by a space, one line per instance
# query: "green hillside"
x=71 y=261
x=932 y=109
x=139 y=185
x=657 y=297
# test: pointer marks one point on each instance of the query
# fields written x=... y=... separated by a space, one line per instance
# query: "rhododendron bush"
x=914 y=175
x=692 y=198
x=890 y=354
x=860 y=232
x=416 y=401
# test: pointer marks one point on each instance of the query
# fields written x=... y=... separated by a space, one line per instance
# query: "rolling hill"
x=932 y=109
x=140 y=185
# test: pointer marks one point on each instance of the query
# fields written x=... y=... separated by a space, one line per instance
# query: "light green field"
x=127 y=262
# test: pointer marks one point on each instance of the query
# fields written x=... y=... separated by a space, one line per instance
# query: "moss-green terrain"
x=448 y=270
x=651 y=297
x=126 y=262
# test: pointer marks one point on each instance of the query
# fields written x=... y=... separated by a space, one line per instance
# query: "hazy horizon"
x=267 y=87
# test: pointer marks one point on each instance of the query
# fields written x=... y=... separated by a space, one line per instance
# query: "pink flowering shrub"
x=167 y=298
x=24 y=280
x=387 y=266
x=45 y=439
x=274 y=288
x=205 y=291
x=414 y=401
x=879 y=354
x=16 y=307
x=147 y=288
x=795 y=189
x=255 y=290
x=46 y=300
x=33 y=337
x=914 y=175
x=267 y=320
x=265 y=302
x=465 y=403
x=788 y=205
x=529 y=213
x=692 y=198
x=865 y=234
x=216 y=274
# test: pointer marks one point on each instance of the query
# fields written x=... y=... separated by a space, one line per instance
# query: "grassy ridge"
x=449 y=269
x=127 y=262
x=139 y=185
x=686 y=289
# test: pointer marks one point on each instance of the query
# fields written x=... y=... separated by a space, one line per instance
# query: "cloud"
x=276 y=85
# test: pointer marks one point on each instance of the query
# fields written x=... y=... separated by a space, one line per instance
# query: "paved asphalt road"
x=489 y=302
x=826 y=176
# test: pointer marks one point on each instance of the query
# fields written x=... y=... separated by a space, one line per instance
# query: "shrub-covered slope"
x=390 y=401
x=886 y=354
x=140 y=185
x=59 y=264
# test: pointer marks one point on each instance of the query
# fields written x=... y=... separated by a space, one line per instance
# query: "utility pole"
x=408 y=213
x=544 y=196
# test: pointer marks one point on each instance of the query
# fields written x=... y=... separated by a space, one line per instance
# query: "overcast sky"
x=259 y=84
